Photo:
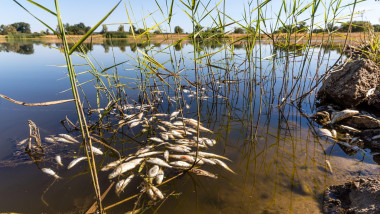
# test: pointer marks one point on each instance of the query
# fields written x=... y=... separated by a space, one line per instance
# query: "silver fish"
x=187 y=158
x=159 y=162
x=160 y=176
x=181 y=164
x=157 y=192
x=59 y=160
x=161 y=128
x=153 y=171
x=325 y=132
x=63 y=140
x=329 y=166
x=164 y=136
x=144 y=149
x=203 y=173
x=151 y=194
x=68 y=137
x=96 y=151
x=176 y=134
x=179 y=149
x=113 y=164
x=120 y=186
x=134 y=124
x=156 y=139
x=49 y=140
x=75 y=161
x=125 y=167
x=149 y=154
x=221 y=163
x=166 y=155
x=178 y=123
x=340 y=115
x=174 y=114
x=208 y=155
x=50 y=172
x=22 y=142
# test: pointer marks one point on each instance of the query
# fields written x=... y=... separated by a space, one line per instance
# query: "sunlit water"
x=280 y=162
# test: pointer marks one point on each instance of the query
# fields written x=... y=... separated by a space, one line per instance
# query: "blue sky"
x=91 y=11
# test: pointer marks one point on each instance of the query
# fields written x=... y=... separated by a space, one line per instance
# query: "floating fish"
x=208 y=155
x=68 y=137
x=147 y=154
x=22 y=142
x=174 y=114
x=96 y=151
x=134 y=124
x=63 y=140
x=178 y=123
x=75 y=161
x=329 y=166
x=151 y=194
x=161 y=128
x=176 y=134
x=50 y=172
x=143 y=150
x=156 y=139
x=166 y=155
x=153 y=171
x=59 y=160
x=180 y=164
x=159 y=162
x=178 y=148
x=203 y=173
x=113 y=164
x=120 y=186
x=221 y=163
x=164 y=136
x=160 y=176
x=325 y=132
x=125 y=167
x=157 y=192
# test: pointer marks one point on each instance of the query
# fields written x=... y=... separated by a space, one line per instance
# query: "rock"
x=361 y=122
x=348 y=86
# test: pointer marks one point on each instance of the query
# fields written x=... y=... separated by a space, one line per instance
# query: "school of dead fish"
x=176 y=146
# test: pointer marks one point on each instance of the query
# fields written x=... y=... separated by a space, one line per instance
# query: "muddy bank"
x=359 y=196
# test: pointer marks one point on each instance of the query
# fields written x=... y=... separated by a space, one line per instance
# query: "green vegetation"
x=178 y=29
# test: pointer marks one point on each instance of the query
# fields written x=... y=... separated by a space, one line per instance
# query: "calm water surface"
x=280 y=162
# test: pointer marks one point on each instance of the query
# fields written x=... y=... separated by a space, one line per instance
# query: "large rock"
x=348 y=86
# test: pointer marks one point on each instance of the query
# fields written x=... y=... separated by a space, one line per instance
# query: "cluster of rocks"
x=349 y=106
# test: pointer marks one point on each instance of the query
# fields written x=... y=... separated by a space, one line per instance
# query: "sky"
x=146 y=12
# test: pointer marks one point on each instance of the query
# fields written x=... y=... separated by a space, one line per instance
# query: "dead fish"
x=23 y=141
x=187 y=158
x=191 y=130
x=203 y=173
x=376 y=137
x=325 y=132
x=50 y=139
x=134 y=124
x=120 y=186
x=160 y=115
x=96 y=151
x=50 y=172
x=140 y=115
x=340 y=115
x=113 y=164
x=156 y=139
x=180 y=164
x=157 y=192
x=151 y=194
x=63 y=140
x=160 y=176
x=153 y=171
x=190 y=121
x=164 y=136
x=205 y=160
x=68 y=137
x=161 y=128
x=221 y=163
x=182 y=141
x=178 y=123
x=349 y=128
x=147 y=154
x=174 y=114
x=186 y=91
x=159 y=162
x=176 y=134
x=125 y=167
x=208 y=142
x=208 y=155
x=167 y=123
x=143 y=150
x=59 y=160
x=179 y=149
x=187 y=106
x=75 y=161
x=329 y=166
x=166 y=155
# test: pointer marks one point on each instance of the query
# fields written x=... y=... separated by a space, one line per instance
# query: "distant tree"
x=22 y=27
x=301 y=27
x=47 y=32
x=157 y=32
x=376 y=28
x=239 y=30
x=7 y=29
x=198 y=28
x=140 y=31
x=178 y=29
x=330 y=27
x=132 y=29
x=120 y=28
x=357 y=26
x=77 y=29
x=104 y=29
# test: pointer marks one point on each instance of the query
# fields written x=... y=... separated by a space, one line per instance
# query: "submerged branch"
x=36 y=104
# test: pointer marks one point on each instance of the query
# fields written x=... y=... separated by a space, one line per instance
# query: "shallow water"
x=280 y=162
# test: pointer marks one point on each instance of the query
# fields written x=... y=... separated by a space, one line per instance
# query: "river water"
x=277 y=155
